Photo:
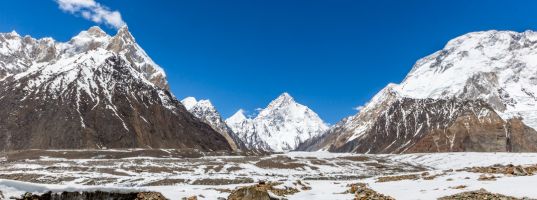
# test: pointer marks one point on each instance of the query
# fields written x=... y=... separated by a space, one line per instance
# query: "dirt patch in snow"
x=511 y=170
x=480 y=194
x=120 y=154
x=398 y=178
x=362 y=192
x=356 y=158
x=261 y=191
x=280 y=162
x=166 y=182
x=221 y=181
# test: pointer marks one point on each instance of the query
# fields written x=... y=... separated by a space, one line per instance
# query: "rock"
x=362 y=192
x=459 y=187
x=509 y=170
x=485 y=177
x=519 y=171
x=398 y=178
x=191 y=198
x=250 y=193
x=480 y=194
x=261 y=192
x=1 y=195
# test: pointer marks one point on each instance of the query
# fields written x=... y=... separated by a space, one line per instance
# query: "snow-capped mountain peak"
x=238 y=117
x=189 y=102
x=281 y=126
x=206 y=112
x=19 y=53
x=499 y=67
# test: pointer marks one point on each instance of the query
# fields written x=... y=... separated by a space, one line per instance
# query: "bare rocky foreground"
x=178 y=174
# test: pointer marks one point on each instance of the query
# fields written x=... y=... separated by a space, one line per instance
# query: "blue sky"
x=331 y=55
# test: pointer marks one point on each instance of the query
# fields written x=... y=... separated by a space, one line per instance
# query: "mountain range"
x=99 y=91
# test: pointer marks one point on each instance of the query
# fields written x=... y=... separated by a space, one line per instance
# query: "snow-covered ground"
x=328 y=174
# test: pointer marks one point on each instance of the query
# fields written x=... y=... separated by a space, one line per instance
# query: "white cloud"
x=358 y=108
x=91 y=10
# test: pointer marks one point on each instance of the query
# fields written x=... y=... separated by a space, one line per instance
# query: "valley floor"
x=314 y=175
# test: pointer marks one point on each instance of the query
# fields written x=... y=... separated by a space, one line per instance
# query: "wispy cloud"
x=358 y=108
x=92 y=10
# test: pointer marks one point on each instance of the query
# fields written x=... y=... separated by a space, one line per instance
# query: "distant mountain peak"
x=96 y=31
x=205 y=111
x=282 y=99
x=237 y=117
x=124 y=34
x=189 y=102
x=281 y=126
x=14 y=33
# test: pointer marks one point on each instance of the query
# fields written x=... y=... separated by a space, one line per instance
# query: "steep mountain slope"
x=280 y=127
x=95 y=91
x=204 y=110
x=441 y=104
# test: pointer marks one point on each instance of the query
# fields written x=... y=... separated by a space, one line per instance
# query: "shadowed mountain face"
x=95 y=92
x=206 y=112
x=429 y=125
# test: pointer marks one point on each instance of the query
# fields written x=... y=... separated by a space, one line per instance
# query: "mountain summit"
x=281 y=126
x=94 y=91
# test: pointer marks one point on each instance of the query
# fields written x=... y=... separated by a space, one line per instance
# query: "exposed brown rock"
x=505 y=169
x=480 y=194
x=459 y=187
x=260 y=192
x=485 y=177
x=191 y=198
x=363 y=192
x=222 y=181
x=398 y=178
x=280 y=162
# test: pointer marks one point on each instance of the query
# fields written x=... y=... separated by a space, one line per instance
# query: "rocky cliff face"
x=95 y=91
x=477 y=94
x=430 y=125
